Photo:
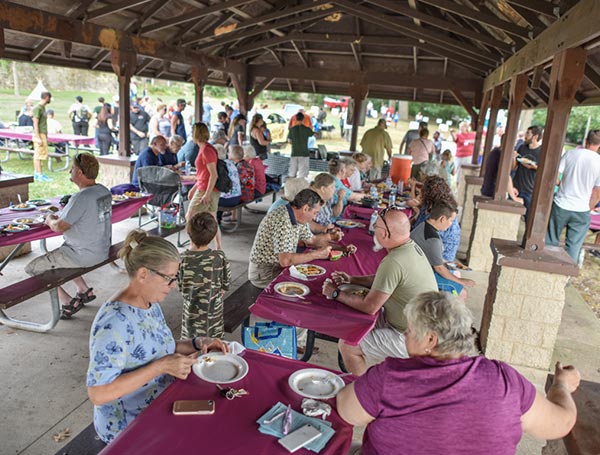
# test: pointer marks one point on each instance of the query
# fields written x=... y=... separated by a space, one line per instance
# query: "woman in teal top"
x=337 y=168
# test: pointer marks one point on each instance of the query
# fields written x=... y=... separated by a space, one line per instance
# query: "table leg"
x=310 y=344
x=33 y=326
x=43 y=246
x=12 y=254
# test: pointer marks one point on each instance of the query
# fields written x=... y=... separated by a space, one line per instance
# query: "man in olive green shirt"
x=403 y=274
x=300 y=160
x=40 y=137
x=375 y=143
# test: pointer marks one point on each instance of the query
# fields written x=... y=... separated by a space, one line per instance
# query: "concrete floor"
x=43 y=375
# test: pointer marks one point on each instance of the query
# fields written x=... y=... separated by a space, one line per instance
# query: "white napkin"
x=235 y=347
x=294 y=272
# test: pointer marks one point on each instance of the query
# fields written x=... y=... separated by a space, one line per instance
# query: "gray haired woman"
x=445 y=399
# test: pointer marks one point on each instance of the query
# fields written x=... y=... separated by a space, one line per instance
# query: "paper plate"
x=354 y=289
x=119 y=197
x=13 y=228
x=22 y=207
x=311 y=270
x=133 y=194
x=291 y=289
x=347 y=224
x=220 y=368
x=315 y=383
x=31 y=221
x=38 y=202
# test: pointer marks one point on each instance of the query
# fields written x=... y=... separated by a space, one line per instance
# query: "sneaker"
x=44 y=178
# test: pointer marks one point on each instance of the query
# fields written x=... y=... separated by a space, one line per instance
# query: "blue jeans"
x=577 y=224
x=526 y=202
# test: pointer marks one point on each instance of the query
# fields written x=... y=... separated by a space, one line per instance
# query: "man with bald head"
x=403 y=274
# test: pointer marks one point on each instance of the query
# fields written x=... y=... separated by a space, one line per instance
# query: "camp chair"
x=166 y=187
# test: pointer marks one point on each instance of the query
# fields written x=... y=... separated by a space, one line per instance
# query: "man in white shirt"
x=578 y=193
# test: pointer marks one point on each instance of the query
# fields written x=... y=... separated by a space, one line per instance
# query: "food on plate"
x=310 y=270
x=15 y=228
x=119 y=197
x=346 y=223
x=22 y=206
x=133 y=194
x=51 y=209
x=28 y=220
x=290 y=289
x=334 y=255
x=361 y=292
x=38 y=202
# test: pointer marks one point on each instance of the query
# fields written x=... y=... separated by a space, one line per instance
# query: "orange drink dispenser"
x=400 y=169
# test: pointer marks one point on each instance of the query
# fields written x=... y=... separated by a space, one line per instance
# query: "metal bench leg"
x=33 y=326
x=6 y=158
x=67 y=162
x=310 y=344
x=11 y=255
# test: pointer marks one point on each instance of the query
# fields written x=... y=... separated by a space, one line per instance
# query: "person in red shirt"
x=260 y=178
x=205 y=196
x=465 y=141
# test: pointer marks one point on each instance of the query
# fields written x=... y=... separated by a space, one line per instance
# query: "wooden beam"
x=2 y=42
x=66 y=49
x=428 y=36
x=496 y=99
x=78 y=10
x=276 y=15
x=302 y=59
x=576 y=27
x=123 y=65
x=40 y=49
x=485 y=101
x=518 y=90
x=192 y=16
x=538 y=7
x=480 y=17
x=592 y=76
x=356 y=57
x=458 y=96
x=565 y=78
x=149 y=11
x=359 y=93
x=537 y=77
x=114 y=8
x=260 y=87
x=144 y=65
x=370 y=77
x=396 y=7
x=100 y=57
x=41 y=23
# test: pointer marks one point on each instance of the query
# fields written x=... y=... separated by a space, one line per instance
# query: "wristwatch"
x=335 y=293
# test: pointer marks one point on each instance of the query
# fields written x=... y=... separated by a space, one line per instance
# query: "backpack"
x=82 y=114
x=223 y=183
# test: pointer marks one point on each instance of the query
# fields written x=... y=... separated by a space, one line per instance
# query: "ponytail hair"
x=142 y=250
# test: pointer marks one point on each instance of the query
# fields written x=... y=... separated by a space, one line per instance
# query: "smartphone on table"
x=193 y=407
x=299 y=438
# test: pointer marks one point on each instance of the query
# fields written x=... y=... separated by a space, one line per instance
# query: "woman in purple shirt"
x=445 y=398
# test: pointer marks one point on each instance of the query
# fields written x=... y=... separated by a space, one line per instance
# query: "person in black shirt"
x=525 y=165
x=139 y=128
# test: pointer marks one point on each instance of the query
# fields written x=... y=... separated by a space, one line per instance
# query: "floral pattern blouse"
x=125 y=338
x=246 y=172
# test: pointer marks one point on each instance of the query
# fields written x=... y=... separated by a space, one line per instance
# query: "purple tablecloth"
x=52 y=138
x=364 y=213
x=317 y=312
x=120 y=211
x=595 y=224
x=232 y=428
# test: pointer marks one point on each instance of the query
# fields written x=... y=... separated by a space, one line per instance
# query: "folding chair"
x=166 y=187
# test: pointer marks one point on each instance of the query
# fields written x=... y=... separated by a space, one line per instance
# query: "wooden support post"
x=199 y=77
x=2 y=43
x=240 y=83
x=358 y=92
x=518 y=90
x=124 y=64
x=496 y=98
x=565 y=78
x=485 y=101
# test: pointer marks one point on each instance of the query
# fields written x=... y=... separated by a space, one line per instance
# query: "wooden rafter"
x=538 y=7
x=99 y=58
x=302 y=58
x=592 y=76
x=149 y=11
x=114 y=8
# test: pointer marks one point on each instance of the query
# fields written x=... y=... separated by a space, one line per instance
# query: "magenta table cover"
x=232 y=429
x=595 y=224
x=120 y=211
x=52 y=138
x=317 y=312
x=364 y=213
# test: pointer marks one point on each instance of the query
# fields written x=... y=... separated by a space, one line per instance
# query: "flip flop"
x=85 y=297
x=71 y=308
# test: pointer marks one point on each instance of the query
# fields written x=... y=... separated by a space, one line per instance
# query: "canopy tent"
x=36 y=93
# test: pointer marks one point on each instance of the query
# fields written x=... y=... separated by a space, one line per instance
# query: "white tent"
x=36 y=94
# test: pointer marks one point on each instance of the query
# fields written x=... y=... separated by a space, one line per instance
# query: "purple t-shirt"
x=422 y=405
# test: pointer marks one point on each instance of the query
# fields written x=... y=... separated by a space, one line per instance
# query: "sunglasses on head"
x=384 y=212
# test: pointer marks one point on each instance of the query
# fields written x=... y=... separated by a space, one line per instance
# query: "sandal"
x=71 y=308
x=85 y=297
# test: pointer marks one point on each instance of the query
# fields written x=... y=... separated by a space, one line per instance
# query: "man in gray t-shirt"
x=85 y=223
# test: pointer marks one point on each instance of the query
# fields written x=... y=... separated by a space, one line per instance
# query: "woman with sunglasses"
x=133 y=354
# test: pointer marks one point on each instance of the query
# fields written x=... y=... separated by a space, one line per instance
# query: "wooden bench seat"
x=49 y=281
x=236 y=306
x=85 y=443
x=238 y=209
x=22 y=151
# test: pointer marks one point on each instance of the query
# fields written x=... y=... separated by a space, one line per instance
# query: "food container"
x=370 y=203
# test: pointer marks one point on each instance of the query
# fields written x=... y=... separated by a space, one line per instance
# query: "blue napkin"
x=275 y=428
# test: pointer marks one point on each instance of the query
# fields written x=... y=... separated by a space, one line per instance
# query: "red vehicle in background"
x=332 y=102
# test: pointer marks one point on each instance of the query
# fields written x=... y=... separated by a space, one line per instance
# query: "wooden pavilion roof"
x=437 y=51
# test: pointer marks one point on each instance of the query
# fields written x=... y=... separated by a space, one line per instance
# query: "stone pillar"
x=115 y=170
x=466 y=169
x=472 y=189
x=524 y=303
x=492 y=219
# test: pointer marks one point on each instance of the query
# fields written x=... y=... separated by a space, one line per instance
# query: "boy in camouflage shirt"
x=204 y=276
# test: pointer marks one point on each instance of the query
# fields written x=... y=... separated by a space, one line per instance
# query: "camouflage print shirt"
x=203 y=278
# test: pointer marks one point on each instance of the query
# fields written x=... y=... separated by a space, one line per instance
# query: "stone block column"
x=492 y=219
x=524 y=303
x=115 y=170
x=472 y=189
x=466 y=169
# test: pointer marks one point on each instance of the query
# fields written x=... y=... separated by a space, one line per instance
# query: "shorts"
x=40 y=151
x=383 y=341
x=261 y=275
x=446 y=285
x=211 y=207
x=56 y=259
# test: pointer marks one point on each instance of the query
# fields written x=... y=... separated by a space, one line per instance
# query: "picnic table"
x=232 y=428
x=364 y=213
x=316 y=312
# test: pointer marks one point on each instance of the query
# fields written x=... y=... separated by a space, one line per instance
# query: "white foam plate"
x=353 y=288
x=220 y=368
x=317 y=270
x=315 y=383
x=280 y=288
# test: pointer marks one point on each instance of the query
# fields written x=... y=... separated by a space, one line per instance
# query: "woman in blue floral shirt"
x=133 y=354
